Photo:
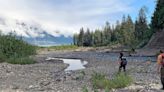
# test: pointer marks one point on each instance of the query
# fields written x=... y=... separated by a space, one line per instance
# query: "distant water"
x=74 y=64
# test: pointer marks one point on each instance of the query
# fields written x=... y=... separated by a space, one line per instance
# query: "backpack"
x=124 y=61
x=162 y=62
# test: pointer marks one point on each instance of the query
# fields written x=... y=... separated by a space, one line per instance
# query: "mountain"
x=33 y=32
x=49 y=40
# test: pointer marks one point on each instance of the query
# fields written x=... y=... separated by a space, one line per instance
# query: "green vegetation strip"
x=22 y=60
x=120 y=80
x=62 y=47
x=15 y=51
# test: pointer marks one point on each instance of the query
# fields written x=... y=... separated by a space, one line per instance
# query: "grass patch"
x=121 y=80
x=84 y=89
x=21 y=60
x=62 y=47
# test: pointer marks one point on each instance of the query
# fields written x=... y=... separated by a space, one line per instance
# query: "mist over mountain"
x=33 y=32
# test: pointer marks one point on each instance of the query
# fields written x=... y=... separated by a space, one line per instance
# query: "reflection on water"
x=74 y=64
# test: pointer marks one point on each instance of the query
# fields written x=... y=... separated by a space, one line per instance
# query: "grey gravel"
x=49 y=76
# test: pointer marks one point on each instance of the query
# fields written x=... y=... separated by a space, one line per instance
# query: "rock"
x=44 y=83
x=68 y=73
x=31 y=86
x=14 y=87
x=64 y=78
x=58 y=80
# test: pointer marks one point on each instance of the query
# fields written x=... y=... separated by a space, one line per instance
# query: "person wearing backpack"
x=160 y=69
x=123 y=62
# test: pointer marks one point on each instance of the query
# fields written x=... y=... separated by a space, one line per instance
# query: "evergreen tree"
x=98 y=38
x=81 y=37
x=75 y=39
x=87 y=38
x=92 y=39
x=141 y=26
x=129 y=33
x=106 y=35
x=157 y=22
x=125 y=33
x=115 y=34
x=122 y=31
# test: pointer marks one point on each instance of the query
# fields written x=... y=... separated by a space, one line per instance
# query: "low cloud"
x=66 y=16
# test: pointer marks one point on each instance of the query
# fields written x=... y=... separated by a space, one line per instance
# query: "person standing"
x=160 y=68
x=123 y=62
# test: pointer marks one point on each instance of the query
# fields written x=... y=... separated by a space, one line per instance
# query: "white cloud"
x=66 y=16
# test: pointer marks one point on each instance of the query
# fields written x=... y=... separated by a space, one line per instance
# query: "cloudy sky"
x=68 y=16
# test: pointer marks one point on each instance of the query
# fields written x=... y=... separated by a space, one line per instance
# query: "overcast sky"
x=68 y=16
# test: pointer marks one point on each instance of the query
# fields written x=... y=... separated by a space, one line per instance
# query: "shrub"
x=121 y=80
x=84 y=89
x=13 y=48
x=99 y=81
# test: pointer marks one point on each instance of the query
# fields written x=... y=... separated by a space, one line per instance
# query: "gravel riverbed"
x=49 y=76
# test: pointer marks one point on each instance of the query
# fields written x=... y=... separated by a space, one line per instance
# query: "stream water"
x=74 y=64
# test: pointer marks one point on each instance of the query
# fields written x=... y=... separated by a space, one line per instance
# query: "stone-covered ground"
x=49 y=76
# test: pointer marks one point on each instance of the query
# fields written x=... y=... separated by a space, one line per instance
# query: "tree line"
x=126 y=32
x=157 y=22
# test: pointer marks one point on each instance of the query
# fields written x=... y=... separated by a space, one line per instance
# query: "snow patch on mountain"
x=33 y=33
x=25 y=29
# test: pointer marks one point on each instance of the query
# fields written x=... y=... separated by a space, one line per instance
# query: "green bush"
x=99 y=81
x=13 y=48
x=2 y=57
x=121 y=80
